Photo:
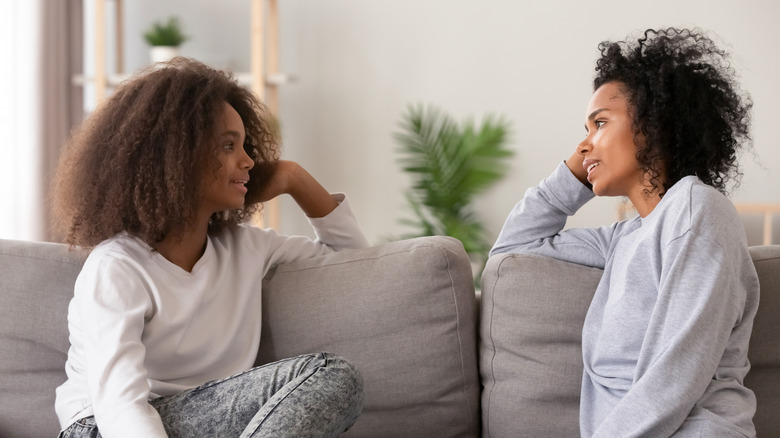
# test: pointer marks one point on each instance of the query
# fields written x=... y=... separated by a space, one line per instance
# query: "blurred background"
x=357 y=67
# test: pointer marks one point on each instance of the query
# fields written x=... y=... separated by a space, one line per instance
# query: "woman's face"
x=225 y=187
x=608 y=149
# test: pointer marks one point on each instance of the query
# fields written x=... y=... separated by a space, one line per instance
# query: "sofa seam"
x=486 y=419
x=37 y=257
x=460 y=340
x=425 y=245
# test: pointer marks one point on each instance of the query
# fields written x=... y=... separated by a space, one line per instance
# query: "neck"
x=644 y=196
x=644 y=202
x=185 y=247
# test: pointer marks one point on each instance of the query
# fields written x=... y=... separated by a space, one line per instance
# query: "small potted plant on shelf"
x=165 y=39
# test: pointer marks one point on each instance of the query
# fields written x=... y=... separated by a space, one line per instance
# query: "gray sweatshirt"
x=666 y=336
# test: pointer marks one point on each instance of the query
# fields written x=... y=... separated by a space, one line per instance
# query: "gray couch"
x=405 y=313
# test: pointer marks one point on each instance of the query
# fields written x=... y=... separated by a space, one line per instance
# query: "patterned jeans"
x=314 y=395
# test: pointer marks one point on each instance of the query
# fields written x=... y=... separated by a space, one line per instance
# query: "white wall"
x=21 y=185
x=360 y=63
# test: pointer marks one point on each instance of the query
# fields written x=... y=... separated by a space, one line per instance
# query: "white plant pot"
x=162 y=53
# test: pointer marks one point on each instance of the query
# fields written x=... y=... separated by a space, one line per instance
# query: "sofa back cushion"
x=530 y=344
x=764 y=352
x=37 y=285
x=533 y=309
x=404 y=313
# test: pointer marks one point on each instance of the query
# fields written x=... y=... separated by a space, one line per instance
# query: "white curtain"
x=41 y=47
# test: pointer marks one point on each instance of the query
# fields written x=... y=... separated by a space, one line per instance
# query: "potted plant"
x=450 y=164
x=165 y=39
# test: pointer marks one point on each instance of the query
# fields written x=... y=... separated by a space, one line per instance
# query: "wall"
x=360 y=63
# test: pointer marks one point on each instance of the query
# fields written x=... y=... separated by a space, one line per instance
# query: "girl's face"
x=608 y=149
x=225 y=187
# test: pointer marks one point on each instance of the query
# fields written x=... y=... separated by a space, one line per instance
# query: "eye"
x=228 y=146
x=599 y=123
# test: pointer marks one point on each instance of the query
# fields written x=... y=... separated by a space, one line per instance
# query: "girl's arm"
x=290 y=178
x=331 y=216
x=109 y=311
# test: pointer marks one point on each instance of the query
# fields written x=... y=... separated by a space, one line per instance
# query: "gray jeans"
x=314 y=395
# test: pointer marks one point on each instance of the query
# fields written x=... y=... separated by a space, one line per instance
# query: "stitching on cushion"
x=57 y=258
x=407 y=250
x=460 y=342
x=489 y=397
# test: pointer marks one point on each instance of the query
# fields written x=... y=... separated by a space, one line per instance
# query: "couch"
x=533 y=309
x=406 y=314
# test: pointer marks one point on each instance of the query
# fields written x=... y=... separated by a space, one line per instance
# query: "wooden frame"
x=768 y=211
x=264 y=77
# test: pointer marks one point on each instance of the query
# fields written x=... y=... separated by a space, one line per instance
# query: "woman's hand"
x=574 y=163
x=290 y=178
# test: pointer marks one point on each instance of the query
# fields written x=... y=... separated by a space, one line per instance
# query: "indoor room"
x=422 y=225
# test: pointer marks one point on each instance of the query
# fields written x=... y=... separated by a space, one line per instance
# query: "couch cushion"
x=532 y=313
x=764 y=352
x=404 y=314
x=37 y=285
x=530 y=357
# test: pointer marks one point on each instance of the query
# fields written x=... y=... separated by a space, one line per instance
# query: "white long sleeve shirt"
x=666 y=336
x=141 y=327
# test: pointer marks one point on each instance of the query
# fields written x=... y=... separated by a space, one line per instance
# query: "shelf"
x=244 y=78
x=264 y=78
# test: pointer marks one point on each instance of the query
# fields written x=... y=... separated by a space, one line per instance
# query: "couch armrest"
x=403 y=313
x=531 y=321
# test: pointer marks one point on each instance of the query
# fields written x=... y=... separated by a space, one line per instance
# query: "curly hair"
x=137 y=162
x=686 y=106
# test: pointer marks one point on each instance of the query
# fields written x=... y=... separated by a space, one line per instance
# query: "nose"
x=246 y=161
x=585 y=146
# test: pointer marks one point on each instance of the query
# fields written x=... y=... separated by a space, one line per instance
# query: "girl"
x=666 y=336
x=158 y=182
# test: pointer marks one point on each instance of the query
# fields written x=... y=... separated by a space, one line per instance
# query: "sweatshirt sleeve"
x=535 y=223
x=699 y=311
x=112 y=306
x=337 y=231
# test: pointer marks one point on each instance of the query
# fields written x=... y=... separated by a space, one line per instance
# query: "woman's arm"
x=696 y=341
x=534 y=225
x=574 y=163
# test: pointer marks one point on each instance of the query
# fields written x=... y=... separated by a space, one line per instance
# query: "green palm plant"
x=450 y=164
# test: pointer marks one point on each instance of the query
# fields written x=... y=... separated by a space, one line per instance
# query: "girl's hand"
x=278 y=182
x=290 y=178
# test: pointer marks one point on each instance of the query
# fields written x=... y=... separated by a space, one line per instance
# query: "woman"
x=165 y=320
x=666 y=336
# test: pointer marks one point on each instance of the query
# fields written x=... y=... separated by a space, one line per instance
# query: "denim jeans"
x=314 y=395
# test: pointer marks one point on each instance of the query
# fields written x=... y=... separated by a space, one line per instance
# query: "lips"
x=590 y=165
x=240 y=183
